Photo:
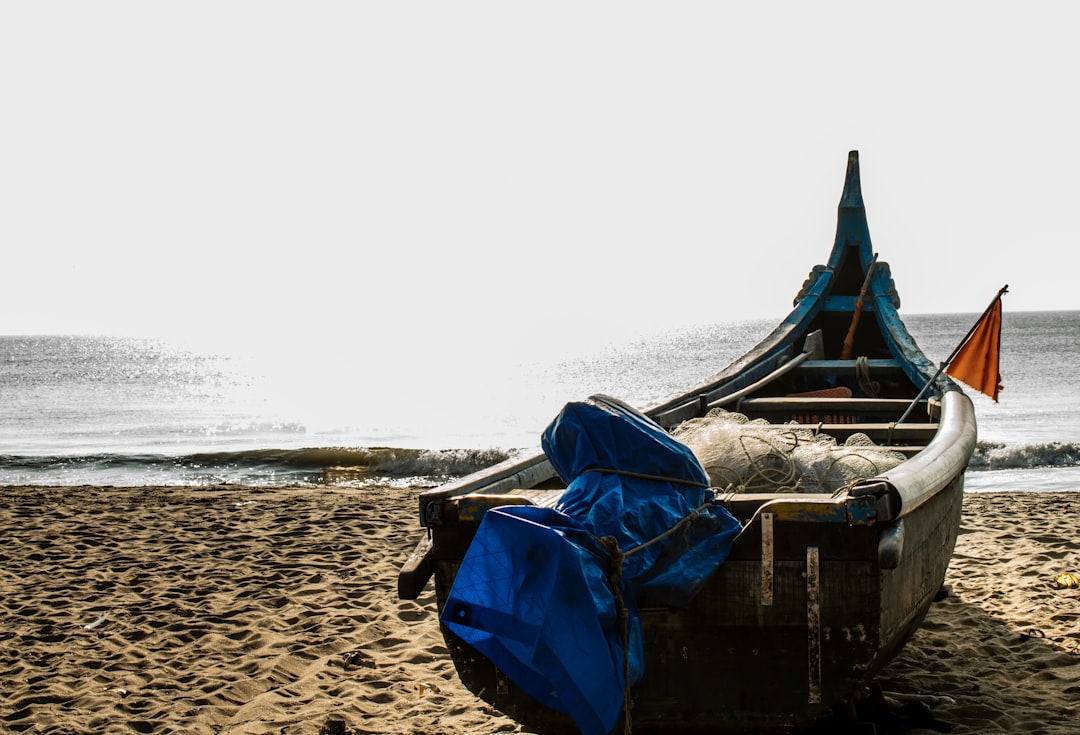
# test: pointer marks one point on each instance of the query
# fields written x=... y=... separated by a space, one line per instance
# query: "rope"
x=611 y=545
x=685 y=521
x=842 y=461
x=618 y=557
x=869 y=387
x=763 y=476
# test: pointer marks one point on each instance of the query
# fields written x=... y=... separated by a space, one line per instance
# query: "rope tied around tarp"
x=611 y=546
x=617 y=558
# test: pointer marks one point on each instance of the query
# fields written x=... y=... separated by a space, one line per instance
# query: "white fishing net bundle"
x=756 y=456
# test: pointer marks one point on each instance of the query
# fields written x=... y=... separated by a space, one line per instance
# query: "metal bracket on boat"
x=887 y=501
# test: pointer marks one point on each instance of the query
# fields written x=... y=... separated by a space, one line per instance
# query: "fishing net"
x=754 y=456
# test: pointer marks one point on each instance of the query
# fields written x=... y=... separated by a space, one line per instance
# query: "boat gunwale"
x=770 y=354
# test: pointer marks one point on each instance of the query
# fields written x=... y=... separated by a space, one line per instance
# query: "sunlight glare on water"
x=87 y=402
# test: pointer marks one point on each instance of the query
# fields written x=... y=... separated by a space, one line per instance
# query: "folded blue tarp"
x=535 y=593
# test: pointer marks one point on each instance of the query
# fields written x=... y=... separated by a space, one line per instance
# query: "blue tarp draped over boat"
x=534 y=594
x=590 y=444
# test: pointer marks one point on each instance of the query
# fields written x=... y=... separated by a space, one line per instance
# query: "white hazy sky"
x=354 y=168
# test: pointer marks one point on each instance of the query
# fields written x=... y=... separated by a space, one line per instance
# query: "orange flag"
x=977 y=361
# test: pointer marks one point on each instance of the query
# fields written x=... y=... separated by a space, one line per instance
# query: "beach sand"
x=248 y=610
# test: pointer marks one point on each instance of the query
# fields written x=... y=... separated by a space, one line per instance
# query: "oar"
x=849 y=340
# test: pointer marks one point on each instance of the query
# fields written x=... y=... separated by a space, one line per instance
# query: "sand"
x=246 y=610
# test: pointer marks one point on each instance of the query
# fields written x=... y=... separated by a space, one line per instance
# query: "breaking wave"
x=1001 y=456
x=310 y=466
x=344 y=466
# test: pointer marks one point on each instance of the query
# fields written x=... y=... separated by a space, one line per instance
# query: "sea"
x=137 y=411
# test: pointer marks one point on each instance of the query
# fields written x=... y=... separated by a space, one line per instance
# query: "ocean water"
x=80 y=410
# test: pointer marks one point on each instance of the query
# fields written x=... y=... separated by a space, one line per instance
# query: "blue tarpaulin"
x=628 y=478
x=534 y=593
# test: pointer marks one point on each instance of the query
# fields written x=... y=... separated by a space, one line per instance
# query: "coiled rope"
x=867 y=385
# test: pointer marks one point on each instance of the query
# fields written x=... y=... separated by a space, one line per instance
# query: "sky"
x=355 y=171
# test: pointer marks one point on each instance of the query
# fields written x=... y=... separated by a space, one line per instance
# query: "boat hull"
x=786 y=633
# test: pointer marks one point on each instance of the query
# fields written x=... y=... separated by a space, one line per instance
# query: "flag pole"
x=941 y=368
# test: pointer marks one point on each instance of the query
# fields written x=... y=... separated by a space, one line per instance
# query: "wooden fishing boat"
x=819 y=591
